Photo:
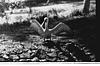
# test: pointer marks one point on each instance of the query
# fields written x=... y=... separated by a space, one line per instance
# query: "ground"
x=35 y=49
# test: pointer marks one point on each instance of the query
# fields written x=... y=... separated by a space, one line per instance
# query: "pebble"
x=52 y=50
x=25 y=50
x=28 y=59
x=14 y=57
x=5 y=56
x=26 y=55
x=22 y=60
x=29 y=51
x=42 y=60
x=33 y=54
x=35 y=59
x=21 y=56
x=2 y=59
x=50 y=59
x=53 y=54
x=19 y=51
x=34 y=51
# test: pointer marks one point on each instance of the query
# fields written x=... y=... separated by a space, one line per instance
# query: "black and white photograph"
x=48 y=31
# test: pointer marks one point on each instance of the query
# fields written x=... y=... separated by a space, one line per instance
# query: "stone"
x=19 y=51
x=28 y=60
x=52 y=50
x=50 y=59
x=2 y=59
x=34 y=47
x=5 y=56
x=25 y=55
x=33 y=51
x=34 y=59
x=25 y=50
x=33 y=54
x=29 y=51
x=21 y=56
x=22 y=60
x=53 y=54
x=42 y=60
x=14 y=57
x=42 y=56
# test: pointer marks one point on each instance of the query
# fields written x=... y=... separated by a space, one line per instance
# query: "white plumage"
x=46 y=32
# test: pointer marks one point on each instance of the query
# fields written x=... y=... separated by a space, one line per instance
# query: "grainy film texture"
x=48 y=31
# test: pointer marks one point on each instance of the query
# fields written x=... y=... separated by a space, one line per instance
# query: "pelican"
x=46 y=32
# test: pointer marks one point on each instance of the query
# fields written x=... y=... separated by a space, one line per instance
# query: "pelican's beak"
x=31 y=21
x=46 y=19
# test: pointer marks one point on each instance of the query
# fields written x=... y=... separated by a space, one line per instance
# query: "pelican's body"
x=46 y=32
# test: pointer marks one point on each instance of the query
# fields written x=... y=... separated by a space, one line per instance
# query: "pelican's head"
x=32 y=19
x=46 y=19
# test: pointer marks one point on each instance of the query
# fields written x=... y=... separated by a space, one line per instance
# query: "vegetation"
x=31 y=48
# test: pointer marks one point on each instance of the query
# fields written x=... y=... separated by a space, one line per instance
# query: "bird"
x=46 y=32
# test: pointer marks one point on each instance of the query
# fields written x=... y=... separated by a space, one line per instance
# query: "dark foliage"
x=13 y=28
x=76 y=13
x=86 y=28
x=31 y=3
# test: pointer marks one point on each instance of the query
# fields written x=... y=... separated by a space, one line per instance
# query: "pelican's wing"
x=37 y=27
x=61 y=27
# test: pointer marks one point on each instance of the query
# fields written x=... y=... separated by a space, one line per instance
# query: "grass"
x=63 y=10
x=66 y=13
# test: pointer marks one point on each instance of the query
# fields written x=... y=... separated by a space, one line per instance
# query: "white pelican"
x=46 y=32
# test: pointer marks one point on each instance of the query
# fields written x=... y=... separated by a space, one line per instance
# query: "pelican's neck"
x=46 y=25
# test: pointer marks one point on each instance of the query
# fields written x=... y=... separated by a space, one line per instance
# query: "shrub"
x=13 y=28
x=76 y=13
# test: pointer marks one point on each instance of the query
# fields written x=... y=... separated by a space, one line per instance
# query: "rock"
x=33 y=54
x=52 y=50
x=14 y=57
x=25 y=50
x=2 y=59
x=19 y=51
x=5 y=56
x=42 y=60
x=25 y=55
x=22 y=60
x=53 y=54
x=50 y=59
x=33 y=48
x=29 y=51
x=34 y=59
x=21 y=56
x=28 y=60
x=34 y=51
x=12 y=52
x=61 y=58
x=41 y=54
x=18 y=46
x=15 y=50
x=27 y=45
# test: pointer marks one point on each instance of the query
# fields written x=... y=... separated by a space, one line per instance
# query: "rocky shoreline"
x=38 y=51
